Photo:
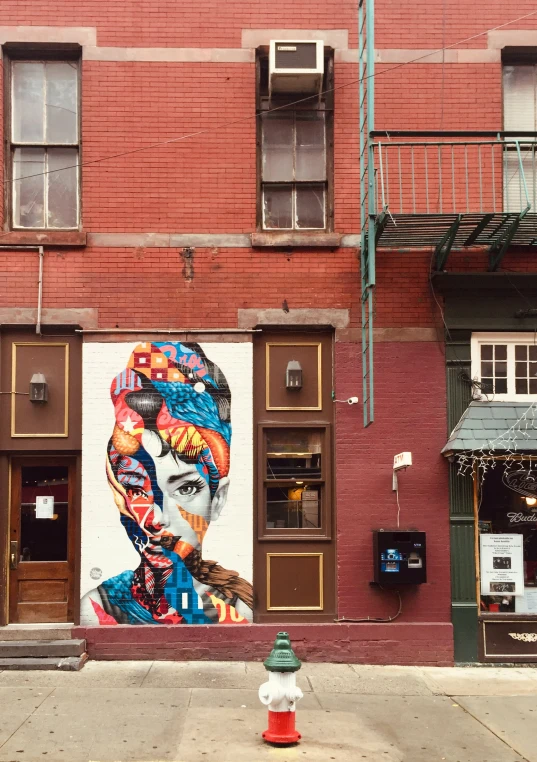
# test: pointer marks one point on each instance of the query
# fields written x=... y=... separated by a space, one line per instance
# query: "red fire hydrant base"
x=281 y=729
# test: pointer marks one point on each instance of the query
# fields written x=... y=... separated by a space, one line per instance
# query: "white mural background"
x=106 y=549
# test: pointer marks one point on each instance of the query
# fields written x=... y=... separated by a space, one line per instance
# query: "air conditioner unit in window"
x=296 y=66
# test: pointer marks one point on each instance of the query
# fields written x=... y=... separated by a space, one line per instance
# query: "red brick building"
x=181 y=235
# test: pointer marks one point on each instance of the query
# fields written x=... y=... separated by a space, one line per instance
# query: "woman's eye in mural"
x=135 y=493
x=190 y=488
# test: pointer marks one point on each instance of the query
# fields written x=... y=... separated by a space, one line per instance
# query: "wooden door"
x=41 y=549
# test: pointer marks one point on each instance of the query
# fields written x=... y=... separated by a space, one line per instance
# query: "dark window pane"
x=277 y=150
x=521 y=352
x=278 y=207
x=500 y=351
x=294 y=507
x=310 y=213
x=294 y=454
x=29 y=188
x=533 y=386
x=521 y=386
x=521 y=369
x=533 y=370
x=44 y=539
x=310 y=146
x=487 y=369
x=487 y=386
x=500 y=369
x=533 y=352
x=486 y=352
x=500 y=387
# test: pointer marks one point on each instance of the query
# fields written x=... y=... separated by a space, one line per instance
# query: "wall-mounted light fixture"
x=293 y=375
x=38 y=388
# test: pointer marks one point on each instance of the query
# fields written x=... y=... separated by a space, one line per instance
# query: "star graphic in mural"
x=128 y=425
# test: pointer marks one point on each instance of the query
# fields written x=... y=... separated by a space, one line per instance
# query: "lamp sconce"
x=293 y=375
x=38 y=388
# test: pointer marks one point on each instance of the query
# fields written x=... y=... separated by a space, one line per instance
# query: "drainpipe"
x=41 y=251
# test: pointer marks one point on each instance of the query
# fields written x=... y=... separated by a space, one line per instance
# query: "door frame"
x=73 y=542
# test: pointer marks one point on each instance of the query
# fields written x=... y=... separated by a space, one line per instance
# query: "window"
x=505 y=365
x=294 y=170
x=294 y=479
x=295 y=156
x=44 y=144
x=519 y=114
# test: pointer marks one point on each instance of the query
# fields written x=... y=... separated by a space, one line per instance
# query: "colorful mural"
x=167 y=464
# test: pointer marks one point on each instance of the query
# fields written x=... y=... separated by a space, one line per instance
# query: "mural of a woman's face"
x=168 y=472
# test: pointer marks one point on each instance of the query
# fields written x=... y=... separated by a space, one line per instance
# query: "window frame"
x=322 y=532
x=38 y=54
x=528 y=338
x=326 y=102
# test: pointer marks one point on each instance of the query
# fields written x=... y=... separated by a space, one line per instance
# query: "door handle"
x=13 y=554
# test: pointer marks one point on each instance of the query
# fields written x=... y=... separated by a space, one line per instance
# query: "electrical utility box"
x=399 y=557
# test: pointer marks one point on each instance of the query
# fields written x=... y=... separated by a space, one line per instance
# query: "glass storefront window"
x=507 y=527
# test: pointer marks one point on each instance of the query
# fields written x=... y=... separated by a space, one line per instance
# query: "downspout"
x=41 y=251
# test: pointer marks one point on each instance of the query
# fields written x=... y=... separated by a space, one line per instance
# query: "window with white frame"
x=505 y=364
x=44 y=144
x=519 y=114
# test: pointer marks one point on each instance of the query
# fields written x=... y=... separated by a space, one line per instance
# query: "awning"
x=483 y=422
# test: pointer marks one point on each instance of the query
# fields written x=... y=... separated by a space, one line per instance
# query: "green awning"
x=483 y=422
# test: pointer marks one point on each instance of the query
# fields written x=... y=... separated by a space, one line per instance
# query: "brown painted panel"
x=23 y=407
x=510 y=639
x=295 y=581
x=309 y=357
x=31 y=613
x=33 y=418
x=41 y=591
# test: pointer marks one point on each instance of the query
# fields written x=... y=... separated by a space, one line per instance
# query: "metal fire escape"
x=366 y=63
x=438 y=190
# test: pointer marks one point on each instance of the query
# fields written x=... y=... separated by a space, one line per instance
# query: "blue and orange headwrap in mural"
x=168 y=463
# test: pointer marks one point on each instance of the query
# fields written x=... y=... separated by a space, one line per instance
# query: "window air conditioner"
x=296 y=66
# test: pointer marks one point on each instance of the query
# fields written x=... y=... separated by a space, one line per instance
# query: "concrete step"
x=35 y=632
x=19 y=649
x=68 y=664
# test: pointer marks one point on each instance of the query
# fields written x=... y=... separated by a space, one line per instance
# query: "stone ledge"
x=293 y=239
x=44 y=238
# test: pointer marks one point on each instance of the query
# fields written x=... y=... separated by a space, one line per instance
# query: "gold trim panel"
x=58 y=435
x=319 y=372
x=320 y=607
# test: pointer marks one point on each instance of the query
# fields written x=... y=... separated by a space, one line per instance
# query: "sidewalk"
x=200 y=711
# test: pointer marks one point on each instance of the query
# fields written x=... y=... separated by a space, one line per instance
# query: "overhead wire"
x=256 y=114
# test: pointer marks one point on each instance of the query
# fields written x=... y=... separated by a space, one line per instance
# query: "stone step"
x=35 y=632
x=18 y=649
x=67 y=664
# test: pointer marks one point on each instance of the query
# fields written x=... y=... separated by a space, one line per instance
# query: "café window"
x=505 y=365
x=295 y=473
x=44 y=144
x=507 y=527
x=295 y=156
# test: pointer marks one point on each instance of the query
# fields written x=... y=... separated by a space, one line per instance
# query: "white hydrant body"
x=280 y=693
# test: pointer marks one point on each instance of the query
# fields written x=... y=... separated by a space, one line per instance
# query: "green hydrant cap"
x=282 y=657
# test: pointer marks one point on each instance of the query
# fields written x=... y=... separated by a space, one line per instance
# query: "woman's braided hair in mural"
x=207 y=414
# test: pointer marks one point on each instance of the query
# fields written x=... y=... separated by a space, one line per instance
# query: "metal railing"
x=455 y=173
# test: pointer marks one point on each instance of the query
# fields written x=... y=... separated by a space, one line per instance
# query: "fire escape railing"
x=455 y=190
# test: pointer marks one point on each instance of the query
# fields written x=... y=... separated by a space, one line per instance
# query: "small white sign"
x=403 y=460
x=502 y=564
x=44 y=507
x=528 y=603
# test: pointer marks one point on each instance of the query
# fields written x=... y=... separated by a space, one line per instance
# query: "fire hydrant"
x=280 y=693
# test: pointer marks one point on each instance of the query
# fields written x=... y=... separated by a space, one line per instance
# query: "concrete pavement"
x=200 y=711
